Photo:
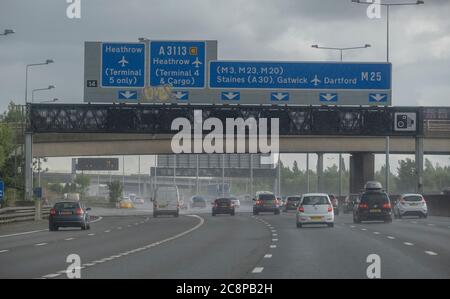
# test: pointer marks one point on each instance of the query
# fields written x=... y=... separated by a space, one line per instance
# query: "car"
x=139 y=201
x=292 y=203
x=350 y=202
x=223 y=206
x=166 y=201
x=266 y=202
x=315 y=208
x=411 y=205
x=335 y=203
x=198 y=201
x=126 y=204
x=69 y=214
x=373 y=205
x=236 y=202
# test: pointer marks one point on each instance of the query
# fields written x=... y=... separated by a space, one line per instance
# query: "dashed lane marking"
x=431 y=253
x=268 y=256
x=408 y=244
x=41 y=244
x=258 y=270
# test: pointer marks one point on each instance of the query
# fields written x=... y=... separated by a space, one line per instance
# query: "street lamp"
x=388 y=6
x=48 y=61
x=40 y=89
x=7 y=32
x=341 y=50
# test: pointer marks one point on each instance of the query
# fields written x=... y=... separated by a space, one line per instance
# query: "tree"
x=115 y=191
x=82 y=181
x=406 y=178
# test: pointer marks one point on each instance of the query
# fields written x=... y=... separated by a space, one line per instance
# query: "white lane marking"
x=40 y=244
x=3 y=251
x=107 y=231
x=274 y=235
x=24 y=233
x=391 y=237
x=202 y=221
x=352 y=226
x=129 y=225
x=119 y=228
x=70 y=239
x=91 y=235
x=273 y=246
x=97 y=220
x=431 y=253
x=268 y=256
x=51 y=275
x=258 y=270
x=431 y=224
x=408 y=244
x=364 y=229
x=376 y=233
x=274 y=240
x=414 y=222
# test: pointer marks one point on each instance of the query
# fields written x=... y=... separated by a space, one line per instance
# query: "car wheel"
x=299 y=225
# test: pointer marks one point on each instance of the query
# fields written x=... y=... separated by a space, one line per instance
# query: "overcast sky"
x=245 y=29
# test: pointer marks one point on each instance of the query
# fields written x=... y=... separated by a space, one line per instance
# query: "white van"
x=166 y=201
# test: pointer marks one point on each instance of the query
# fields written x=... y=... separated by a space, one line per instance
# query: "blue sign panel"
x=127 y=95
x=123 y=65
x=231 y=96
x=279 y=96
x=37 y=192
x=2 y=190
x=180 y=64
x=329 y=97
x=181 y=95
x=300 y=75
x=378 y=98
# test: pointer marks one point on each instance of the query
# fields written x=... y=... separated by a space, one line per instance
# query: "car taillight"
x=258 y=202
x=387 y=206
x=79 y=211
x=301 y=209
x=363 y=206
x=330 y=209
x=53 y=212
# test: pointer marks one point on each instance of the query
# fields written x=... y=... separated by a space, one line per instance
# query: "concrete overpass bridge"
x=58 y=130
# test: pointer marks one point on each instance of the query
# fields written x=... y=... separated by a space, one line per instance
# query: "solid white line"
x=51 y=275
x=41 y=244
x=268 y=256
x=431 y=253
x=258 y=270
x=24 y=233
x=408 y=244
x=3 y=251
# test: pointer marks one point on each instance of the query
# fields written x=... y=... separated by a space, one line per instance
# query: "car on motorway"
x=335 y=202
x=315 y=208
x=69 y=214
x=139 y=201
x=198 y=201
x=291 y=203
x=236 y=202
x=266 y=202
x=373 y=205
x=166 y=201
x=411 y=205
x=223 y=206
x=349 y=203
x=126 y=204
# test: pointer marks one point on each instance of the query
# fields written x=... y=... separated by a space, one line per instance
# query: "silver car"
x=411 y=205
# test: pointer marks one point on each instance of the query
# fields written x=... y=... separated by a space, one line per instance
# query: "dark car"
x=223 y=206
x=266 y=202
x=373 y=205
x=292 y=203
x=69 y=214
x=198 y=202
x=349 y=203
x=335 y=203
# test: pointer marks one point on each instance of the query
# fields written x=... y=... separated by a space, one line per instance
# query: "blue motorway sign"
x=180 y=64
x=300 y=75
x=2 y=190
x=123 y=65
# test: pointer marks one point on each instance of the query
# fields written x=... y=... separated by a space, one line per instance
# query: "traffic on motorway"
x=224 y=146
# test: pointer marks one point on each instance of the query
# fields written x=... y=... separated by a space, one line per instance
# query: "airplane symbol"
x=123 y=62
x=316 y=81
x=197 y=63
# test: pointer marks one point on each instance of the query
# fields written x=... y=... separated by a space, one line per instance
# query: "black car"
x=373 y=205
x=291 y=203
x=69 y=214
x=266 y=202
x=223 y=206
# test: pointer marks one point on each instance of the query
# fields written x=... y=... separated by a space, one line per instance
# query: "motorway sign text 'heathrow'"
x=299 y=75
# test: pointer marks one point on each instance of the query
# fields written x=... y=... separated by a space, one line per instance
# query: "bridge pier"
x=362 y=169
x=320 y=184
x=419 y=164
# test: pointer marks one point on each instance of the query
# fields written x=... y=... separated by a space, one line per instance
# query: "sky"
x=245 y=30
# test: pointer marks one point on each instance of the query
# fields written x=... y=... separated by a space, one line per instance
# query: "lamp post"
x=48 y=61
x=388 y=8
x=40 y=89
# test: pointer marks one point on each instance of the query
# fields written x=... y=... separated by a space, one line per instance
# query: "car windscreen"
x=266 y=197
x=66 y=206
x=198 y=199
x=223 y=200
x=374 y=198
x=166 y=195
x=413 y=198
x=315 y=200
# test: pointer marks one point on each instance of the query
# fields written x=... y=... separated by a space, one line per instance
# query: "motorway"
x=199 y=246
